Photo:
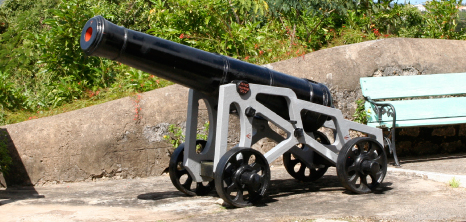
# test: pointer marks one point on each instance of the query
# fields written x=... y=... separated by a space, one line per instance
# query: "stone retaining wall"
x=124 y=138
x=431 y=140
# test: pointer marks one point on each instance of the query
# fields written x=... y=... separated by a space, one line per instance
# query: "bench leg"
x=392 y=147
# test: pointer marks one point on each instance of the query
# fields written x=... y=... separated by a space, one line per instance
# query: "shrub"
x=360 y=115
x=42 y=66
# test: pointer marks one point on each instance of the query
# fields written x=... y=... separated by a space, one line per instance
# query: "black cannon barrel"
x=196 y=69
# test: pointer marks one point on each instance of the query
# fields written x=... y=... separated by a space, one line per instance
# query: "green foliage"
x=240 y=29
x=65 y=69
x=387 y=19
x=210 y=27
x=441 y=19
x=401 y=21
x=455 y=183
x=360 y=115
x=133 y=79
x=42 y=66
x=10 y=97
x=314 y=7
x=176 y=135
x=204 y=132
x=20 y=21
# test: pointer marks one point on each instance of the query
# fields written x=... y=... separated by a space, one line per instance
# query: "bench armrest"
x=391 y=111
x=380 y=110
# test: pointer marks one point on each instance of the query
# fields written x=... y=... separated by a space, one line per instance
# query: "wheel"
x=181 y=178
x=298 y=170
x=362 y=165
x=242 y=177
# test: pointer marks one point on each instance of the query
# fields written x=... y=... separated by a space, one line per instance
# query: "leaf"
x=207 y=20
x=49 y=21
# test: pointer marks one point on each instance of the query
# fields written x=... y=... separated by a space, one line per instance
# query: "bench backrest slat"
x=424 y=109
x=389 y=87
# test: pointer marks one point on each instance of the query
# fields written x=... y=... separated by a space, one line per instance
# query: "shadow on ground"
x=18 y=183
x=11 y=195
x=161 y=195
x=279 y=188
x=330 y=183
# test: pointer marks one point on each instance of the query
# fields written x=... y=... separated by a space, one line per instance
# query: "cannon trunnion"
x=259 y=96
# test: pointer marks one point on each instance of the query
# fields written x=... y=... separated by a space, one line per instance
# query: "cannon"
x=258 y=96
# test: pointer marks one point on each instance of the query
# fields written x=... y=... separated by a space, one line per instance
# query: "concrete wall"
x=124 y=138
x=106 y=140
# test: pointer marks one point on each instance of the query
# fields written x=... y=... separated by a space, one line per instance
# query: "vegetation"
x=176 y=136
x=43 y=71
x=360 y=115
x=455 y=183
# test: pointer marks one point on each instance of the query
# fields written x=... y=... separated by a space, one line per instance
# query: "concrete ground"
x=413 y=192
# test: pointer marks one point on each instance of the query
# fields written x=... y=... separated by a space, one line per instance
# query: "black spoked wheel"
x=362 y=165
x=242 y=177
x=181 y=178
x=298 y=170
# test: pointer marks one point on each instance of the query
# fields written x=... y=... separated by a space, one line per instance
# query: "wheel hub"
x=251 y=179
x=370 y=167
x=367 y=165
x=245 y=175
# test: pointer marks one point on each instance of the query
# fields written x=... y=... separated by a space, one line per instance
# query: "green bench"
x=421 y=100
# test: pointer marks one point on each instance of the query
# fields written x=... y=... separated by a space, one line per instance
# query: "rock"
x=462 y=130
x=444 y=131
x=411 y=131
x=451 y=147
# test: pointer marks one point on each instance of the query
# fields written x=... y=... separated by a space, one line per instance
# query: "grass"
x=455 y=183
x=25 y=115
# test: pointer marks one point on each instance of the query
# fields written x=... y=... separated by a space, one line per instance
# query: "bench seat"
x=423 y=112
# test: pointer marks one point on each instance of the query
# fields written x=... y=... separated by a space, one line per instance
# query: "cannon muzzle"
x=197 y=69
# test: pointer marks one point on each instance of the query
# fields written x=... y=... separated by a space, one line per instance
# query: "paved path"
x=439 y=168
x=404 y=196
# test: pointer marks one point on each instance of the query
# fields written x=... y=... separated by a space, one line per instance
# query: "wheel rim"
x=298 y=169
x=362 y=165
x=242 y=177
x=181 y=178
